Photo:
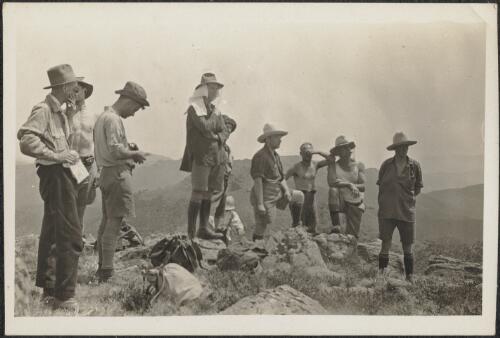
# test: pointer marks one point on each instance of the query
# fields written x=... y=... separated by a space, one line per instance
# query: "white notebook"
x=79 y=171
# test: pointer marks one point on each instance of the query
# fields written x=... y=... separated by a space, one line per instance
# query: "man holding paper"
x=116 y=159
x=45 y=136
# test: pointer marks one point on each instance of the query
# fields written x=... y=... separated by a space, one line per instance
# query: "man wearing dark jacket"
x=204 y=154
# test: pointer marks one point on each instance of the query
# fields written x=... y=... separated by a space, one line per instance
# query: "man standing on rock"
x=206 y=134
x=116 y=161
x=400 y=181
x=346 y=178
x=46 y=137
x=269 y=187
x=304 y=175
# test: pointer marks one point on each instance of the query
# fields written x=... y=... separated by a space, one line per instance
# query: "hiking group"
x=77 y=151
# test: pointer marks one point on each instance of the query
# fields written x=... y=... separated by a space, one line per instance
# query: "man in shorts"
x=116 y=160
x=304 y=175
x=204 y=155
x=399 y=181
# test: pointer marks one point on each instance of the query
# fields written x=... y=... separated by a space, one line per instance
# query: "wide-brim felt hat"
x=270 y=130
x=61 y=75
x=88 y=88
x=135 y=92
x=341 y=142
x=400 y=139
x=209 y=78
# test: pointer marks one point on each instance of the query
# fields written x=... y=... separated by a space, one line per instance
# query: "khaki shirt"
x=46 y=132
x=109 y=137
x=396 y=196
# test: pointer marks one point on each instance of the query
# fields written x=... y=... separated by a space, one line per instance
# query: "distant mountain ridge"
x=162 y=194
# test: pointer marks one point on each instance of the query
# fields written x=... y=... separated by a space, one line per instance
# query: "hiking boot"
x=335 y=230
x=103 y=275
x=69 y=305
x=204 y=231
x=409 y=278
x=47 y=297
x=193 y=211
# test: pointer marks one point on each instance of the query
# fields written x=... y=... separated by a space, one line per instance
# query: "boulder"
x=282 y=300
x=369 y=253
x=295 y=247
x=23 y=288
x=450 y=267
x=336 y=247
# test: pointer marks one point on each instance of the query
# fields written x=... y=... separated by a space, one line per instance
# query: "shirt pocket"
x=57 y=136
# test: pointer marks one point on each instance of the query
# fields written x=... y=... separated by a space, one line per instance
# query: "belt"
x=87 y=160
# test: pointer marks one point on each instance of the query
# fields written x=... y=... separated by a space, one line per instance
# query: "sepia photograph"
x=251 y=168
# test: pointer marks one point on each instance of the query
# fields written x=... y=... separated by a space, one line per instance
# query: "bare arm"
x=323 y=163
x=259 y=193
x=290 y=173
x=361 y=177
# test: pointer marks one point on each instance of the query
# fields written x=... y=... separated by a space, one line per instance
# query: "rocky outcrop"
x=23 y=288
x=295 y=247
x=443 y=266
x=283 y=300
x=336 y=247
x=369 y=253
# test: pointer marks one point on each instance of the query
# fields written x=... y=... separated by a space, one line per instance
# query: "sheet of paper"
x=79 y=171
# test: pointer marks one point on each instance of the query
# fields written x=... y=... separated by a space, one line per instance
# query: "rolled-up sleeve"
x=258 y=168
x=31 y=135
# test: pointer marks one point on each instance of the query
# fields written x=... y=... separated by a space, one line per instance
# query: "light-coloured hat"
x=270 y=130
x=60 y=75
x=230 y=205
x=135 y=92
x=400 y=139
x=88 y=88
x=340 y=142
x=208 y=78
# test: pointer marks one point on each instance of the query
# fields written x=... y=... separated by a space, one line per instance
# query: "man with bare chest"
x=304 y=175
x=81 y=140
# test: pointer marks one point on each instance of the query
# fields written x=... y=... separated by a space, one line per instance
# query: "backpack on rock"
x=177 y=249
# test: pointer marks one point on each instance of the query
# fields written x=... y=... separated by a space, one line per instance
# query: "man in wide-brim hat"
x=399 y=181
x=46 y=136
x=270 y=189
x=204 y=154
x=346 y=179
x=116 y=159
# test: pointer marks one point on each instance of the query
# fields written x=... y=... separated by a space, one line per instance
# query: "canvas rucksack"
x=177 y=249
x=171 y=280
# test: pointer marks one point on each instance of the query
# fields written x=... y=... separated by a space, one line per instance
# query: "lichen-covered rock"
x=443 y=266
x=295 y=247
x=23 y=288
x=336 y=247
x=283 y=300
x=369 y=253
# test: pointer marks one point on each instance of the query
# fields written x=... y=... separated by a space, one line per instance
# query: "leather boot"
x=193 y=211
x=295 y=210
x=408 y=261
x=257 y=237
x=204 y=230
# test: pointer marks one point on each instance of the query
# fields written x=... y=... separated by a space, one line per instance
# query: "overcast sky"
x=316 y=71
